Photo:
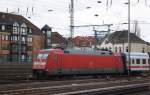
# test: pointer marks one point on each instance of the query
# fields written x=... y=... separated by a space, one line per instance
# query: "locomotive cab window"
x=66 y=52
x=43 y=55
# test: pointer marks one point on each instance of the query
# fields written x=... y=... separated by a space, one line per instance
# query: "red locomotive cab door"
x=57 y=59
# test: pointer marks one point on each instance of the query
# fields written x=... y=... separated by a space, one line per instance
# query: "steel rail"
x=67 y=88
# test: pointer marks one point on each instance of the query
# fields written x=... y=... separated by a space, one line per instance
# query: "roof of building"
x=8 y=19
x=122 y=37
x=84 y=41
x=46 y=27
x=57 y=38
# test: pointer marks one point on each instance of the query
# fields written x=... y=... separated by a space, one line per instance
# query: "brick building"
x=19 y=38
x=58 y=40
x=84 y=42
x=47 y=32
x=53 y=39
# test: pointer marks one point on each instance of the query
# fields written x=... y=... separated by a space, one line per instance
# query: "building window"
x=43 y=32
x=102 y=48
x=127 y=49
x=23 y=39
x=29 y=30
x=14 y=57
x=29 y=58
x=23 y=49
x=14 y=48
x=5 y=37
x=3 y=27
x=29 y=39
x=29 y=48
x=23 y=57
x=110 y=48
x=106 y=48
x=15 y=30
x=23 y=31
x=4 y=57
x=14 y=38
x=115 y=49
x=120 y=49
x=5 y=46
x=48 y=42
x=48 y=33
x=8 y=27
x=143 y=50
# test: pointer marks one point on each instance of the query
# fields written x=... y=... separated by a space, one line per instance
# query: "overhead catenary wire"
x=34 y=5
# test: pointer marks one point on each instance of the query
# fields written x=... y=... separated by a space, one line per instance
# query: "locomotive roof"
x=96 y=52
x=45 y=50
x=71 y=51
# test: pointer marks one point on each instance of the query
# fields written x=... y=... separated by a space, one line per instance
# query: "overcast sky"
x=114 y=12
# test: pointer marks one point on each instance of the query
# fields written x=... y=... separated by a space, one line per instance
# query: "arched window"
x=115 y=49
x=15 y=28
x=127 y=49
x=120 y=49
x=24 y=29
x=143 y=50
x=110 y=49
x=48 y=33
x=106 y=48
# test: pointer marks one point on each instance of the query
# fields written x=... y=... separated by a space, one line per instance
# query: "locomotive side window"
x=137 y=61
x=144 y=61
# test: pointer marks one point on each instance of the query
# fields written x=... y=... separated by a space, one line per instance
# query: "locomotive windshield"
x=42 y=56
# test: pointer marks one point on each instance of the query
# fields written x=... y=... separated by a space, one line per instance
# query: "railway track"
x=11 y=71
x=45 y=83
x=15 y=78
x=115 y=90
x=74 y=87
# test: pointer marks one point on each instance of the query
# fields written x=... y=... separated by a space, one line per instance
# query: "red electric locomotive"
x=56 y=62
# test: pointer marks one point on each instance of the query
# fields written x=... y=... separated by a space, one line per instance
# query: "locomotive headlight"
x=43 y=63
x=35 y=62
